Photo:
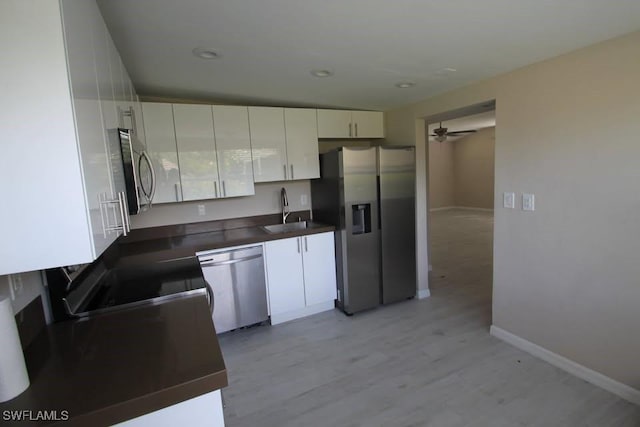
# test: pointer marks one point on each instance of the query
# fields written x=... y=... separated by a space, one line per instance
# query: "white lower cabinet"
x=301 y=276
x=319 y=265
x=201 y=411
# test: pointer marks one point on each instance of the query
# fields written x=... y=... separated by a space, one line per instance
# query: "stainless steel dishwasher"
x=237 y=280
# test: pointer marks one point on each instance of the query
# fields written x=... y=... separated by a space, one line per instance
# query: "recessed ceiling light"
x=206 y=53
x=321 y=73
x=405 y=85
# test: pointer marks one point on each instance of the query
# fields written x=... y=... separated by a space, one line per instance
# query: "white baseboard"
x=624 y=391
x=471 y=208
x=423 y=293
x=303 y=312
x=468 y=208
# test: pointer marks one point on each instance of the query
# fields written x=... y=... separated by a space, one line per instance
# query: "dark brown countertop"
x=178 y=246
x=117 y=366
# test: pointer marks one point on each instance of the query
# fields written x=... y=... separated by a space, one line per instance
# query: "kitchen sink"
x=283 y=228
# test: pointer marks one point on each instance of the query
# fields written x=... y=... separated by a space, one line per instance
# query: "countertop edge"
x=189 y=250
x=143 y=405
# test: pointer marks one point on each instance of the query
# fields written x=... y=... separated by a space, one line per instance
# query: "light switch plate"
x=528 y=202
x=304 y=200
x=201 y=210
x=509 y=200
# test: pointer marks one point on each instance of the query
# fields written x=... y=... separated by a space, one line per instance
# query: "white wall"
x=441 y=175
x=473 y=169
x=461 y=171
x=566 y=277
x=265 y=201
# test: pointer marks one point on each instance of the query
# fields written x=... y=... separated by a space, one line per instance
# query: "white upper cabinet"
x=233 y=143
x=340 y=124
x=268 y=144
x=196 y=151
x=138 y=121
x=55 y=114
x=88 y=115
x=334 y=124
x=161 y=145
x=284 y=143
x=302 y=143
x=368 y=124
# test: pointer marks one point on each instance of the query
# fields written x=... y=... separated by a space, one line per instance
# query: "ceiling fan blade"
x=455 y=132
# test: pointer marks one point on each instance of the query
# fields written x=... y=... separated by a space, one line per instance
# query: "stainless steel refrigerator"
x=368 y=194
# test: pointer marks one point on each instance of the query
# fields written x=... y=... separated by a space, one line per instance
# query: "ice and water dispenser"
x=361 y=218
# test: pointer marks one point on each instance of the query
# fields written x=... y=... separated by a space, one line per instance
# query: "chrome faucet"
x=284 y=202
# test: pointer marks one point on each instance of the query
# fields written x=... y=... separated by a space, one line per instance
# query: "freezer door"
x=397 y=223
x=361 y=247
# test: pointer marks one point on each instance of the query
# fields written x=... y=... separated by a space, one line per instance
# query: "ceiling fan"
x=441 y=133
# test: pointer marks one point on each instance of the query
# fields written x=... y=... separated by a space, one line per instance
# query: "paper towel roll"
x=13 y=371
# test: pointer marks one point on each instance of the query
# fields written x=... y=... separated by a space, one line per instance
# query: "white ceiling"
x=269 y=47
x=473 y=122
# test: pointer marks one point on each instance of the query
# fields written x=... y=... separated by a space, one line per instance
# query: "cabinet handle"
x=356 y=126
x=349 y=130
x=104 y=227
x=292 y=172
x=131 y=114
x=224 y=189
x=215 y=188
x=121 y=205
x=115 y=205
x=177 y=185
x=125 y=208
x=285 y=171
x=298 y=242
x=306 y=245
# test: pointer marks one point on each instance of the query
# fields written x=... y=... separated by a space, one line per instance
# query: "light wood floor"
x=430 y=362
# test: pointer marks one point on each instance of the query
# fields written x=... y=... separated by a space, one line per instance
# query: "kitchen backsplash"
x=266 y=200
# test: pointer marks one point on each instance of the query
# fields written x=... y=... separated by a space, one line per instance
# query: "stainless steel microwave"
x=139 y=177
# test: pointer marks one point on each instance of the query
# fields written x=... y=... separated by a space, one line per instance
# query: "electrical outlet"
x=528 y=202
x=509 y=200
x=304 y=200
x=201 y=210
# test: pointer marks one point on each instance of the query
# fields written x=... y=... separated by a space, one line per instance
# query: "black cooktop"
x=134 y=285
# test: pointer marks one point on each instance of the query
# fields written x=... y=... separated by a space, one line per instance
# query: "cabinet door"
x=368 y=124
x=319 y=263
x=127 y=105
x=196 y=151
x=233 y=143
x=114 y=118
x=115 y=71
x=268 y=144
x=78 y=37
x=334 y=124
x=161 y=144
x=138 y=125
x=284 y=275
x=302 y=143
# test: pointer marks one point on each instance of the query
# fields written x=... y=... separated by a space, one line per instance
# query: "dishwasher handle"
x=210 y=297
x=211 y=261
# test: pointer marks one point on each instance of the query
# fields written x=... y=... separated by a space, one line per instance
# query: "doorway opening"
x=460 y=203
